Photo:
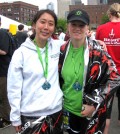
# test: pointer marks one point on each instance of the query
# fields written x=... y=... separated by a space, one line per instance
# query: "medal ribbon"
x=45 y=69
x=77 y=86
x=77 y=70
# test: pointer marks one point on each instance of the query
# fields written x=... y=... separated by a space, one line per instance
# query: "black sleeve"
x=4 y=40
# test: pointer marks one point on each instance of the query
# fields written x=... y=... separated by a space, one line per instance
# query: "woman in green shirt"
x=85 y=77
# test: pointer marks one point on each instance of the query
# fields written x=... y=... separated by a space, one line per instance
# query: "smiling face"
x=77 y=30
x=44 y=26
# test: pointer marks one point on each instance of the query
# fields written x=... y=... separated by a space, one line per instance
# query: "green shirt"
x=73 y=71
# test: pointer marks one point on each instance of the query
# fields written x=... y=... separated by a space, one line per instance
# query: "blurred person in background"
x=21 y=35
x=110 y=34
x=4 y=63
x=61 y=34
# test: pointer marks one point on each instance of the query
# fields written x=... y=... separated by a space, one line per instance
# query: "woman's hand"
x=87 y=111
x=17 y=128
x=103 y=45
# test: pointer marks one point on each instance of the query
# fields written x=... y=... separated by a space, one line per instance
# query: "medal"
x=77 y=86
x=46 y=85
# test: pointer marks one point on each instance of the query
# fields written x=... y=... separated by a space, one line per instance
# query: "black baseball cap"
x=78 y=15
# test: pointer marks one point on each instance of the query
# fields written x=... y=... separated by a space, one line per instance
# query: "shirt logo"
x=111 y=34
x=55 y=55
x=78 y=13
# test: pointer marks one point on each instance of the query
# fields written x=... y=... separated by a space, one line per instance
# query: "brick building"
x=18 y=11
x=113 y=1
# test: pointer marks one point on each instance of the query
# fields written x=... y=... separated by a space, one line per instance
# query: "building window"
x=16 y=13
x=4 y=14
x=25 y=10
x=9 y=14
x=17 y=18
x=30 y=11
x=16 y=9
x=9 y=10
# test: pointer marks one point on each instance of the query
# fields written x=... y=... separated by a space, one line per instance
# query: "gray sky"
x=41 y=3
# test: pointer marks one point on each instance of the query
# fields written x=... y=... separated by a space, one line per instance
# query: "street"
x=114 y=127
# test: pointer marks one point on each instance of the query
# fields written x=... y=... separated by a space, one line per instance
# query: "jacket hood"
x=30 y=44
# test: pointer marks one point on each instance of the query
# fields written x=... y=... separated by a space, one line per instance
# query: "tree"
x=29 y=23
x=105 y=19
x=62 y=23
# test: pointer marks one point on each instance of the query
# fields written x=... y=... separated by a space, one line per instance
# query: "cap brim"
x=77 y=19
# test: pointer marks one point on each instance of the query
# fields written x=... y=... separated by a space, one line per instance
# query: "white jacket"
x=25 y=79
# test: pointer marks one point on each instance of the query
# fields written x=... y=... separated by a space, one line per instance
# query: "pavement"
x=114 y=126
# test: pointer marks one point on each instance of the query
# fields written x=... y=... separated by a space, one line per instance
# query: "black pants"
x=51 y=125
x=76 y=124
x=119 y=108
x=4 y=104
x=118 y=96
x=109 y=107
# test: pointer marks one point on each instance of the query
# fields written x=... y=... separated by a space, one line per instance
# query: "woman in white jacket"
x=33 y=87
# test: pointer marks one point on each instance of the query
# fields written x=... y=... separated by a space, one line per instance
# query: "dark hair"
x=41 y=12
x=20 y=27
